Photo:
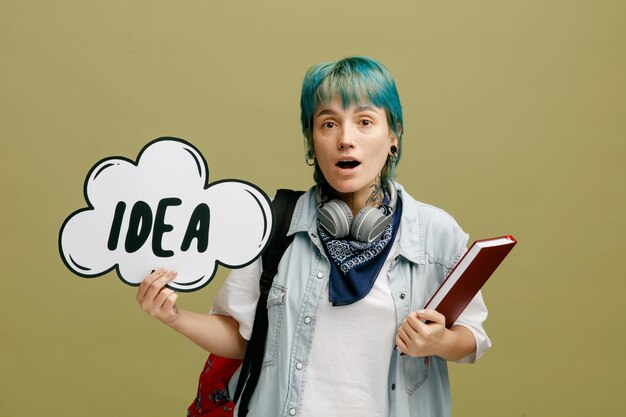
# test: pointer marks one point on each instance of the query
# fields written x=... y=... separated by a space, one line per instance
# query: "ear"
x=393 y=140
x=399 y=129
x=392 y=136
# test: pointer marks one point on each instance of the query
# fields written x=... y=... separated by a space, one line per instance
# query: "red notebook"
x=469 y=275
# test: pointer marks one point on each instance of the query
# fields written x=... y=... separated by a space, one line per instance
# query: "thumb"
x=432 y=316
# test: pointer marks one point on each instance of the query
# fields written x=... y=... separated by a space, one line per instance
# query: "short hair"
x=356 y=80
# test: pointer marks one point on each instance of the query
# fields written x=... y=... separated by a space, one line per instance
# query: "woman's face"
x=351 y=146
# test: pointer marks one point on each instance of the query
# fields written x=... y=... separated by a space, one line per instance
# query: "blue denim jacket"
x=430 y=243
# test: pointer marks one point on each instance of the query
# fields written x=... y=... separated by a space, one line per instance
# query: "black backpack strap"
x=284 y=204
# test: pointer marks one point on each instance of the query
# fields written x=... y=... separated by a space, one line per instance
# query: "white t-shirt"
x=349 y=361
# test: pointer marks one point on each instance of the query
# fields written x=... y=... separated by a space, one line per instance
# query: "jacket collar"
x=411 y=233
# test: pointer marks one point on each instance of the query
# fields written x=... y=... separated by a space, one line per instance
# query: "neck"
x=372 y=196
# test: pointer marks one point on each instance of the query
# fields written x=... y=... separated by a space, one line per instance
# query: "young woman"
x=347 y=335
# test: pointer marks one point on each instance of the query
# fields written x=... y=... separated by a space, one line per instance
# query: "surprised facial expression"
x=351 y=146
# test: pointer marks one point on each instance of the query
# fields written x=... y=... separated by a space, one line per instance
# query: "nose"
x=346 y=137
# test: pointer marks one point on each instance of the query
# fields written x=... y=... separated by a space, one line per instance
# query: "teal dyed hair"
x=356 y=80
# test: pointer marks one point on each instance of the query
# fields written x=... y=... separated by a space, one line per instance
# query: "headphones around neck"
x=368 y=225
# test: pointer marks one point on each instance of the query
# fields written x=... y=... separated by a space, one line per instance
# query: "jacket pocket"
x=275 y=314
x=415 y=372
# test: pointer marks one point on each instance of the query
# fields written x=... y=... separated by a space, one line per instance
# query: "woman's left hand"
x=423 y=333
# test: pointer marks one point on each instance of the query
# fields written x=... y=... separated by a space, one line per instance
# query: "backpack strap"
x=284 y=204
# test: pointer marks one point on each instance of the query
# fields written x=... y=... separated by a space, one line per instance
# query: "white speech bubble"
x=161 y=212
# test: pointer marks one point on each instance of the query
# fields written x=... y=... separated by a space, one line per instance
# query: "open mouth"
x=348 y=164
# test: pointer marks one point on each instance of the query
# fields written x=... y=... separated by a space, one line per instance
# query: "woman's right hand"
x=215 y=333
x=156 y=299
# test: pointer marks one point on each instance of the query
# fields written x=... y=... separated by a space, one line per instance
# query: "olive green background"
x=515 y=122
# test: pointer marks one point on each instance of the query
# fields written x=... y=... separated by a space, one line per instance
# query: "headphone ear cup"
x=336 y=218
x=369 y=224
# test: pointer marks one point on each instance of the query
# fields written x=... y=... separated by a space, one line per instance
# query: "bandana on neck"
x=355 y=265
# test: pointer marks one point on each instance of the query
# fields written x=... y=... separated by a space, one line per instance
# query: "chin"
x=346 y=186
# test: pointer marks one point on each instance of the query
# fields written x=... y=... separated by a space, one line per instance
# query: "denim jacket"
x=430 y=244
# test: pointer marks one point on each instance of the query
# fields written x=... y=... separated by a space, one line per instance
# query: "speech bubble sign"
x=160 y=211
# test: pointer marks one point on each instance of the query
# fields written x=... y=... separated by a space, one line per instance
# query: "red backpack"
x=213 y=398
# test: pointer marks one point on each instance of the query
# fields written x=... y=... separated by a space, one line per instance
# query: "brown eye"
x=328 y=125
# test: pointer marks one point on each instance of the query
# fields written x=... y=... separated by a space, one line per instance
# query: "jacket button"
x=402 y=296
x=299 y=366
x=292 y=411
x=320 y=275
x=307 y=320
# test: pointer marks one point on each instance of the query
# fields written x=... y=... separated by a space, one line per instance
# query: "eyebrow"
x=357 y=110
x=325 y=111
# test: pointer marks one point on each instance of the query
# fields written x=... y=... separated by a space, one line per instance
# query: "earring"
x=394 y=154
x=310 y=161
